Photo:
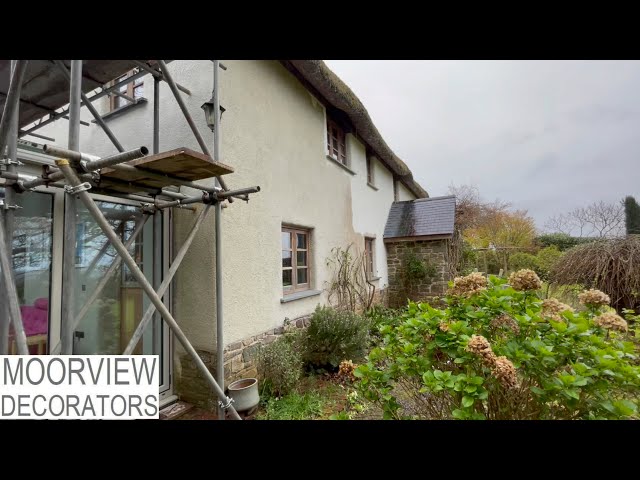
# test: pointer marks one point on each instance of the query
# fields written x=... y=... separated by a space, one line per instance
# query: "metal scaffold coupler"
x=83 y=187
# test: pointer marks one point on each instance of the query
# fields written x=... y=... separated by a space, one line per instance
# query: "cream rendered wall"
x=370 y=206
x=274 y=136
x=404 y=193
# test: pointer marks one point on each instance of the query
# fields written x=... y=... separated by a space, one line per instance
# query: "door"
x=32 y=255
x=109 y=302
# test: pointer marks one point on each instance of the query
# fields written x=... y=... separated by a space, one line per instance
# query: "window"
x=369 y=257
x=295 y=260
x=336 y=144
x=134 y=90
x=370 y=176
x=396 y=194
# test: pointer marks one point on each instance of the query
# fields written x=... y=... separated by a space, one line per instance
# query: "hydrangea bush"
x=497 y=351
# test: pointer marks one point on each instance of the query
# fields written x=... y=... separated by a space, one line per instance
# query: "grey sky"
x=546 y=136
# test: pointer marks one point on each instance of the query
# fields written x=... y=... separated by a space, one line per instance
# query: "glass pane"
x=286 y=278
x=286 y=240
x=302 y=259
x=302 y=275
x=138 y=91
x=32 y=253
x=302 y=241
x=286 y=258
x=110 y=321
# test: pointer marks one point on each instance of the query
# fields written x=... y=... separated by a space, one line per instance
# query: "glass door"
x=32 y=254
x=111 y=301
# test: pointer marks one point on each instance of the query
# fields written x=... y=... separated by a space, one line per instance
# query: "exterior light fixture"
x=209 y=113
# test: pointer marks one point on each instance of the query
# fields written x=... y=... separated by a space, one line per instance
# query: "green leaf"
x=438 y=374
x=459 y=360
x=467 y=401
x=470 y=388
x=537 y=391
x=625 y=407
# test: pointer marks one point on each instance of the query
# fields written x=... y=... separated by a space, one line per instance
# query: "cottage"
x=327 y=179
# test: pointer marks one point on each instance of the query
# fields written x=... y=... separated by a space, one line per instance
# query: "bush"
x=499 y=353
x=521 y=260
x=612 y=266
x=562 y=241
x=333 y=336
x=547 y=258
x=280 y=365
x=379 y=316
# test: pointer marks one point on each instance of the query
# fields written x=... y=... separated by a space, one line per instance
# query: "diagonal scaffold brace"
x=73 y=180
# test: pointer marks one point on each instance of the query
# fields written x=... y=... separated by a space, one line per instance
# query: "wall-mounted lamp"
x=209 y=113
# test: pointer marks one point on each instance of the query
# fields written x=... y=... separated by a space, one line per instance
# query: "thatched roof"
x=340 y=96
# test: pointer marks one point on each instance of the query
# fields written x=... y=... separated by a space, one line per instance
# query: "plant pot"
x=244 y=393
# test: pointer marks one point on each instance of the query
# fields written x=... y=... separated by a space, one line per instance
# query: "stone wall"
x=239 y=362
x=434 y=252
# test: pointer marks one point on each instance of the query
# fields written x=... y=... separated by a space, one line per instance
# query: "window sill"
x=120 y=110
x=329 y=157
x=300 y=295
x=374 y=279
x=372 y=186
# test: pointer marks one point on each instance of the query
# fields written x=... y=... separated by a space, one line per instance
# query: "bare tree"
x=471 y=210
x=599 y=219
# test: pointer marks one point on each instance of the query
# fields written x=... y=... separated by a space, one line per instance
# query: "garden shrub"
x=280 y=365
x=501 y=352
x=521 y=260
x=335 y=335
x=380 y=315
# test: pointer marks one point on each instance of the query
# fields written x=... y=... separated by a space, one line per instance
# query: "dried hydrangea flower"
x=481 y=347
x=505 y=372
x=552 y=308
x=594 y=298
x=552 y=305
x=505 y=320
x=525 y=279
x=611 y=321
x=468 y=285
x=443 y=326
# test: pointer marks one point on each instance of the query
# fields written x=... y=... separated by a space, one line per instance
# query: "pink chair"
x=36 y=325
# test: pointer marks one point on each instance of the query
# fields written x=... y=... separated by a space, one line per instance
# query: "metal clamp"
x=227 y=405
x=5 y=206
x=8 y=161
x=83 y=187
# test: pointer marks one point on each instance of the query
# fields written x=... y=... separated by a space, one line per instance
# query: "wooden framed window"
x=370 y=176
x=296 y=271
x=369 y=257
x=336 y=142
x=134 y=90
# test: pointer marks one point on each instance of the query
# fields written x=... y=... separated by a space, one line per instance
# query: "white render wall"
x=273 y=134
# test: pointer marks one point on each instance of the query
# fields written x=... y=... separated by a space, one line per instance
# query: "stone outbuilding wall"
x=433 y=253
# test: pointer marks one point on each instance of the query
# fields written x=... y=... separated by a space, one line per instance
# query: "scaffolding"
x=129 y=174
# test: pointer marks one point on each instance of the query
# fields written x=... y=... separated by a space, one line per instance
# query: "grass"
x=317 y=397
x=295 y=406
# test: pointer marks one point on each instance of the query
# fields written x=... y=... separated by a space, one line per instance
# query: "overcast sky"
x=546 y=136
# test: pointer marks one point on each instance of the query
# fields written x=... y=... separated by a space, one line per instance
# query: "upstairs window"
x=336 y=143
x=133 y=90
x=370 y=173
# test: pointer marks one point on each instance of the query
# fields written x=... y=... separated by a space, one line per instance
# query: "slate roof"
x=422 y=217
